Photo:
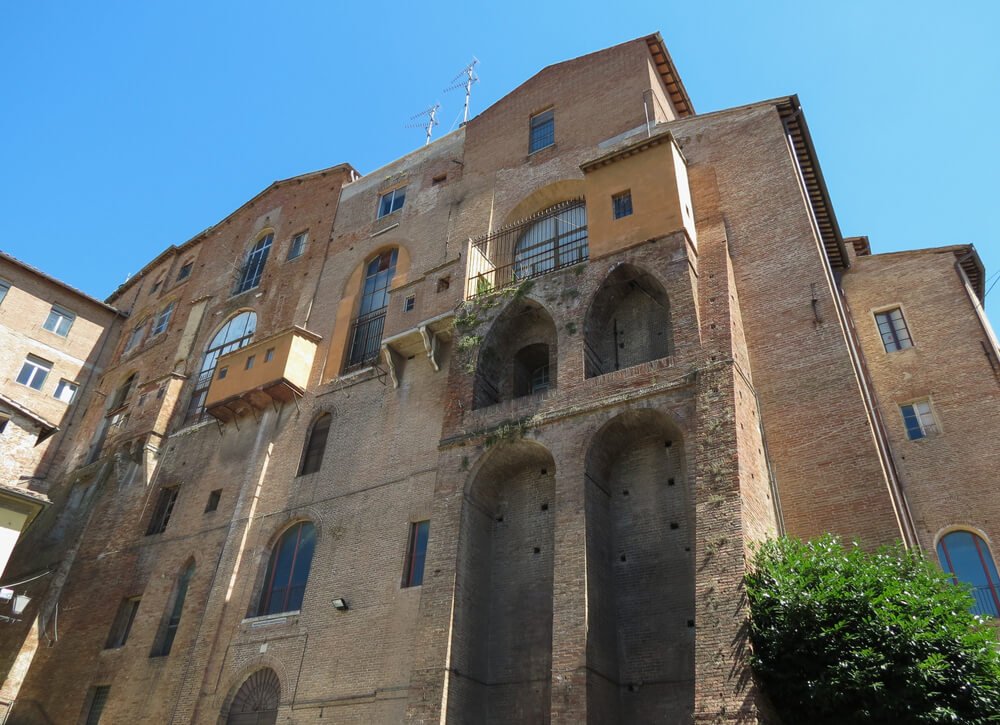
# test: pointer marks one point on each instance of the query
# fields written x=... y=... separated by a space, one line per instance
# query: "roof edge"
x=49 y=278
x=671 y=78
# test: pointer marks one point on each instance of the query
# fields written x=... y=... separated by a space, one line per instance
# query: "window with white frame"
x=34 y=371
x=918 y=419
x=391 y=201
x=543 y=131
x=66 y=391
x=892 y=328
x=162 y=320
x=59 y=320
x=298 y=246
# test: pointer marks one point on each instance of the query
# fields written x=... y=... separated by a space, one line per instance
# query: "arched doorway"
x=256 y=702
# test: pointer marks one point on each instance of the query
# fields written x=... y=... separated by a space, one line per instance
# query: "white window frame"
x=162 y=320
x=298 y=246
x=923 y=412
x=64 y=385
x=39 y=370
x=392 y=195
x=60 y=321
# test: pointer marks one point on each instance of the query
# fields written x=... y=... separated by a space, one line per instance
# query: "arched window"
x=123 y=392
x=366 y=335
x=172 y=620
x=966 y=557
x=288 y=570
x=253 y=267
x=236 y=333
x=556 y=240
x=256 y=702
x=312 y=454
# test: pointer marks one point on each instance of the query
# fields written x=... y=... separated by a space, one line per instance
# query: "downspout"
x=901 y=507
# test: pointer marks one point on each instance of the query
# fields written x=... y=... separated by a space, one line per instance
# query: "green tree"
x=843 y=636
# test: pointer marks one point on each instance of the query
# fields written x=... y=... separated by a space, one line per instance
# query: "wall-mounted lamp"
x=20 y=602
x=340 y=604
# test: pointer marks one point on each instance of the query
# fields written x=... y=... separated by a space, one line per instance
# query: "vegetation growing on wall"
x=841 y=636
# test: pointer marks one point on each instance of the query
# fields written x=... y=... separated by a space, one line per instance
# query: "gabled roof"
x=58 y=283
x=668 y=72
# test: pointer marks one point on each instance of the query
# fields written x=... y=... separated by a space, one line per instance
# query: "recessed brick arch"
x=640 y=571
x=502 y=656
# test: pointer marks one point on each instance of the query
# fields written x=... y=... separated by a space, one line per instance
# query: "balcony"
x=268 y=372
x=550 y=240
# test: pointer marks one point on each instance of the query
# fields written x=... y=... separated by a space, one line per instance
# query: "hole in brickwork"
x=667 y=444
x=499 y=519
x=674 y=525
x=670 y=482
x=623 y=557
x=687 y=548
x=545 y=507
x=712 y=326
x=545 y=471
x=625 y=492
x=538 y=550
x=690 y=622
x=632 y=687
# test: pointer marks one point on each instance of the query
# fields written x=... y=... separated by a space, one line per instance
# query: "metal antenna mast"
x=430 y=113
x=470 y=77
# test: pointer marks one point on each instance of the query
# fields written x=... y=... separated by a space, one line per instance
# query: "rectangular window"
x=892 y=328
x=162 y=320
x=164 y=508
x=135 y=337
x=4 y=288
x=33 y=372
x=66 y=391
x=409 y=303
x=185 y=271
x=298 y=246
x=123 y=623
x=269 y=355
x=250 y=362
x=622 y=204
x=391 y=202
x=919 y=420
x=543 y=131
x=413 y=575
x=59 y=320
x=222 y=373
x=213 y=500
x=98 y=697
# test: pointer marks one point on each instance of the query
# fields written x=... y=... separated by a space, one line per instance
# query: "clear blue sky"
x=130 y=126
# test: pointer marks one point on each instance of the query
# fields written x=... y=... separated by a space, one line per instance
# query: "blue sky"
x=130 y=126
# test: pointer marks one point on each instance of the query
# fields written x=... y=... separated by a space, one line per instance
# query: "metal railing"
x=366 y=339
x=987 y=601
x=543 y=243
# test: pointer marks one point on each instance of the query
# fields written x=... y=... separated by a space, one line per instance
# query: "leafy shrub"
x=842 y=636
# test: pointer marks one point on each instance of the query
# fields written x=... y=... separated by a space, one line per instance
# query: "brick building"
x=485 y=435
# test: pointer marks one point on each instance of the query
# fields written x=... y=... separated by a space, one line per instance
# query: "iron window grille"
x=543 y=131
x=391 y=201
x=550 y=240
x=366 y=332
x=621 y=204
x=123 y=623
x=253 y=268
x=892 y=328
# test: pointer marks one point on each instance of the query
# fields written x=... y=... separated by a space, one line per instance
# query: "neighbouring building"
x=485 y=435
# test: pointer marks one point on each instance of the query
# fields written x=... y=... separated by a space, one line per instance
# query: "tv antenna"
x=470 y=77
x=430 y=113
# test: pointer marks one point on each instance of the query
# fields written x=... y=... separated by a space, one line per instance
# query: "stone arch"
x=640 y=571
x=545 y=197
x=627 y=323
x=502 y=658
x=255 y=698
x=518 y=356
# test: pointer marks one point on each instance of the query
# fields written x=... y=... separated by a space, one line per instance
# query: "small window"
x=416 y=553
x=622 y=204
x=123 y=393
x=162 y=320
x=98 y=697
x=223 y=372
x=123 y=623
x=66 y=391
x=409 y=303
x=312 y=456
x=164 y=508
x=142 y=400
x=269 y=355
x=172 y=618
x=185 y=271
x=213 y=500
x=288 y=570
x=919 y=420
x=250 y=361
x=4 y=288
x=391 y=202
x=543 y=131
x=298 y=246
x=59 y=321
x=443 y=283
x=892 y=328
x=135 y=337
x=34 y=371
x=160 y=391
